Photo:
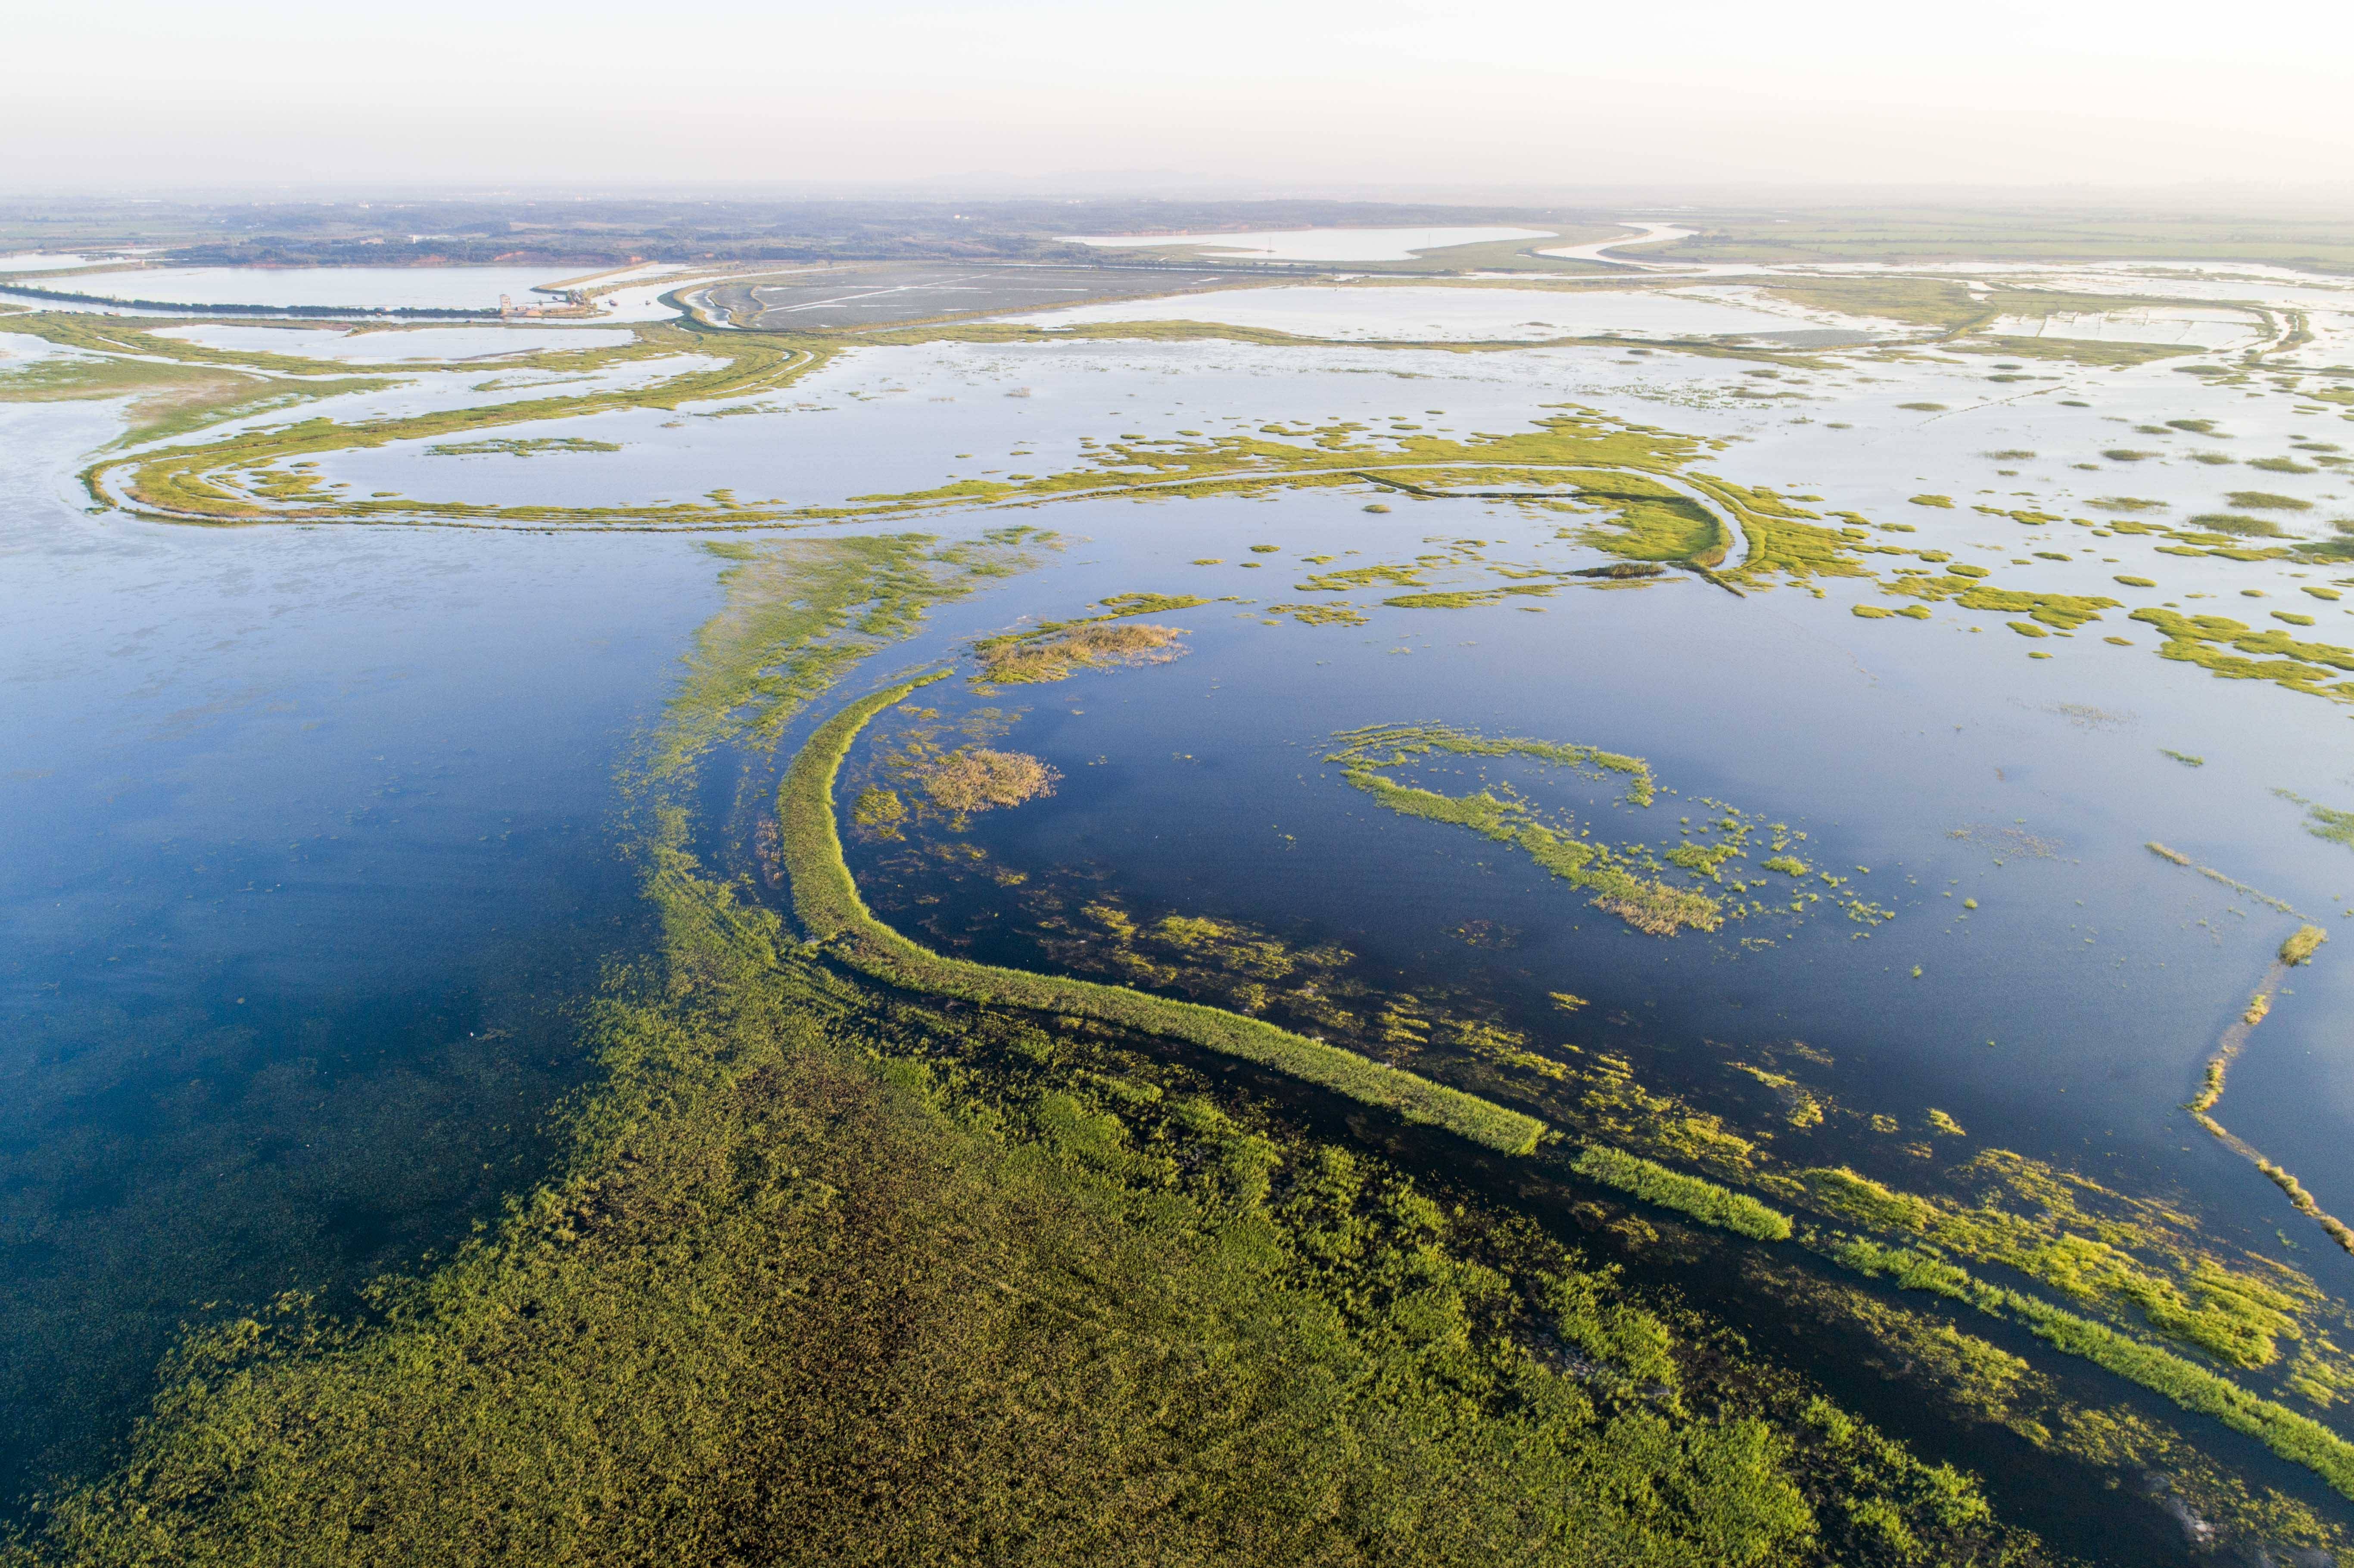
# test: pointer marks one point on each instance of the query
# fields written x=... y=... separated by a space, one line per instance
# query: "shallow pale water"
x=369 y=288
x=1489 y=313
x=1317 y=244
x=392 y=347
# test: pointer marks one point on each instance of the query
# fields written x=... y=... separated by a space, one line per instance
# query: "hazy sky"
x=1292 y=93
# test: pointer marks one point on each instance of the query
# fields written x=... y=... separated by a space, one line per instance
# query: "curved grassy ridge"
x=826 y=899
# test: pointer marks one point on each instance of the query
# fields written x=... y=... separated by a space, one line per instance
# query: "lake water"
x=297 y=898
x=363 y=288
x=1491 y=315
x=309 y=846
x=392 y=347
x=1315 y=244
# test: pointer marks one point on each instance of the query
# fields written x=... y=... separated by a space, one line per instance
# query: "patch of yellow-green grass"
x=2076 y=350
x=2274 y=655
x=2063 y=612
x=1319 y=614
x=980 y=778
x=1939 y=303
x=1659 y=528
x=1059 y=655
x=1701 y=1199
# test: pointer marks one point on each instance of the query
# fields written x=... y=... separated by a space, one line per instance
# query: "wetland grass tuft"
x=517 y=446
x=1319 y=614
x=1044 y=657
x=976 y=778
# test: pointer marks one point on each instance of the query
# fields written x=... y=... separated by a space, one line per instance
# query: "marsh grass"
x=976 y=778
x=2295 y=1437
x=1703 y=1200
x=2301 y=666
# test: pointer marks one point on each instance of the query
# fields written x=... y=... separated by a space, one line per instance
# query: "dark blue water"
x=305 y=849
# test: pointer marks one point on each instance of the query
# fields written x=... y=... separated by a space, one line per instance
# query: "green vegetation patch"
x=2076 y=350
x=1057 y=650
x=2064 y=611
x=979 y=779
x=1936 y=303
x=520 y=446
x=1319 y=614
x=1646 y=904
x=1658 y=528
x=2325 y=822
x=1943 y=501
x=1635 y=882
x=1703 y=1200
x=1468 y=599
x=2201 y=640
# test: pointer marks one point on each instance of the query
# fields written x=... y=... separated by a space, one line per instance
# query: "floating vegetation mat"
x=1657 y=890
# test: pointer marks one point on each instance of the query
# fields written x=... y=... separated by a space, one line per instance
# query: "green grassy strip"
x=2297 y=1438
x=826 y=899
x=1703 y=1200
